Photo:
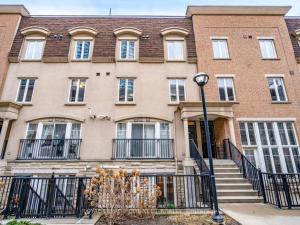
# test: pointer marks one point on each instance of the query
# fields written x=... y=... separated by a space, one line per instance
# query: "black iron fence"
x=194 y=153
x=28 y=197
x=142 y=149
x=49 y=149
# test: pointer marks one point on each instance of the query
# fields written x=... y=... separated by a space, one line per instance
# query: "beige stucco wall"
x=8 y=27
x=51 y=94
x=251 y=87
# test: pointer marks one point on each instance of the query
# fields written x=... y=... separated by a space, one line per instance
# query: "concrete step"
x=228 y=175
x=235 y=193
x=225 y=166
x=231 y=180
x=226 y=170
x=234 y=186
x=239 y=199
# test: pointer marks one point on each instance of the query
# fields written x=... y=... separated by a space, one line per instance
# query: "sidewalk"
x=261 y=214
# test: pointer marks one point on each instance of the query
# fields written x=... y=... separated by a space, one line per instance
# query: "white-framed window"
x=277 y=89
x=267 y=48
x=276 y=145
x=82 y=49
x=220 y=48
x=177 y=90
x=250 y=155
x=34 y=49
x=127 y=49
x=126 y=90
x=77 y=90
x=175 y=50
x=247 y=134
x=25 y=92
x=226 y=89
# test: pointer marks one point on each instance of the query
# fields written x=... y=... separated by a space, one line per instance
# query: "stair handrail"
x=63 y=196
x=249 y=171
x=195 y=154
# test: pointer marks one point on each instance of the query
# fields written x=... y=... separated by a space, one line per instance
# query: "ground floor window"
x=271 y=145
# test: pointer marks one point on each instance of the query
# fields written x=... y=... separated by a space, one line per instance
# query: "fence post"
x=79 y=199
x=6 y=211
x=286 y=190
x=275 y=188
x=50 y=195
x=243 y=166
x=262 y=185
x=25 y=182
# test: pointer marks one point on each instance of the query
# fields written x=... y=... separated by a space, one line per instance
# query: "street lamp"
x=201 y=79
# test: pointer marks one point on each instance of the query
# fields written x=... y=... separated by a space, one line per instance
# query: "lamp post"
x=201 y=79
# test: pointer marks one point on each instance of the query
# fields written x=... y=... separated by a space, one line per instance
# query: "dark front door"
x=193 y=132
x=212 y=138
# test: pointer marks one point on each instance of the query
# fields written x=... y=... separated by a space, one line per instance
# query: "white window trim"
x=225 y=76
x=225 y=89
x=82 y=52
x=26 y=90
x=177 y=91
x=127 y=49
x=273 y=43
x=77 y=90
x=32 y=39
x=126 y=89
x=220 y=39
x=274 y=75
x=182 y=41
x=267 y=119
x=276 y=89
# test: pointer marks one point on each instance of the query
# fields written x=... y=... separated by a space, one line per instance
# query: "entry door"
x=212 y=138
x=136 y=140
x=149 y=143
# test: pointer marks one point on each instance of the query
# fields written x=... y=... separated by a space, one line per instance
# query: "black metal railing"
x=142 y=149
x=4 y=149
x=40 y=197
x=248 y=170
x=195 y=154
x=49 y=149
x=282 y=190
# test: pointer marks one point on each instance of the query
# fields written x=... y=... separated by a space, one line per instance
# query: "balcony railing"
x=142 y=149
x=49 y=149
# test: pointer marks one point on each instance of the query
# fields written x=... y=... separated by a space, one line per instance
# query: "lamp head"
x=201 y=79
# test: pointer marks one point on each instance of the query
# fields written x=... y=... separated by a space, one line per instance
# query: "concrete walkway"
x=260 y=214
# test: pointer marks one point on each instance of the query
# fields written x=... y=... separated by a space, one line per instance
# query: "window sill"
x=81 y=60
x=222 y=59
x=75 y=104
x=270 y=59
x=173 y=104
x=127 y=60
x=273 y=102
x=174 y=61
x=125 y=104
x=232 y=102
x=25 y=103
x=31 y=60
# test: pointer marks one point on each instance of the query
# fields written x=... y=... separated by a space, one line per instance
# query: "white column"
x=3 y=133
x=188 y=163
x=231 y=130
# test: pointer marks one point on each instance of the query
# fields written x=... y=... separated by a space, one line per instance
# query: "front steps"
x=231 y=186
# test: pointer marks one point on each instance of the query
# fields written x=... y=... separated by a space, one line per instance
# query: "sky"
x=134 y=7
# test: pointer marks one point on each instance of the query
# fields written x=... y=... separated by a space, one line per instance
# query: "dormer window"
x=127 y=43
x=82 y=43
x=298 y=36
x=175 y=43
x=35 y=40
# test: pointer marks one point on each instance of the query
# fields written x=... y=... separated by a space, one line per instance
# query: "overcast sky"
x=134 y=7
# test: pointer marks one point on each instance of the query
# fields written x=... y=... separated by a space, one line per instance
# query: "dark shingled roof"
x=294 y=24
x=105 y=40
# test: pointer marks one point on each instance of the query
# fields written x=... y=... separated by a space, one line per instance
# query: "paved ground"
x=260 y=214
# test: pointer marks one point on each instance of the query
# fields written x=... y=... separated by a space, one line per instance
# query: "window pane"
x=251 y=134
x=75 y=131
x=79 y=45
x=223 y=48
x=73 y=90
x=272 y=89
x=38 y=50
x=221 y=85
x=249 y=153
x=276 y=160
x=122 y=83
x=173 y=91
x=220 y=49
x=267 y=159
x=280 y=89
x=29 y=50
x=288 y=160
x=181 y=90
x=229 y=85
x=267 y=49
x=86 y=52
x=22 y=88
x=31 y=131
x=29 y=90
x=271 y=134
x=291 y=134
x=121 y=130
x=123 y=49
x=296 y=155
x=175 y=50
x=130 y=90
x=47 y=132
x=81 y=91
x=131 y=50
x=164 y=131
x=262 y=133
x=243 y=134
x=282 y=134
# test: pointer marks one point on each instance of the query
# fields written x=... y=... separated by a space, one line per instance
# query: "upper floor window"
x=82 y=50
x=247 y=133
x=127 y=49
x=220 y=48
x=34 y=49
x=126 y=88
x=77 y=90
x=267 y=49
x=175 y=50
x=177 y=90
x=277 y=89
x=226 y=89
x=25 y=91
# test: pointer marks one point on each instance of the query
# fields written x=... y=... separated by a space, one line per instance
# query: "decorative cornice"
x=127 y=30
x=174 y=30
x=82 y=30
x=137 y=116
x=62 y=116
x=35 y=30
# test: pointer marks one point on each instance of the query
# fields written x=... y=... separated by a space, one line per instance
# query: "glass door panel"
x=136 y=140
x=149 y=142
x=59 y=140
x=45 y=145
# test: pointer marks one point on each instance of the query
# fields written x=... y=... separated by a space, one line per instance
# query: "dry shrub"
x=118 y=195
